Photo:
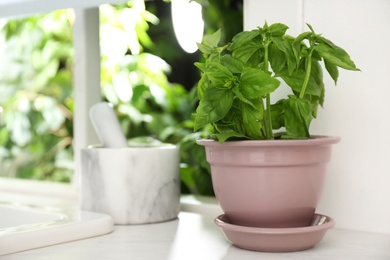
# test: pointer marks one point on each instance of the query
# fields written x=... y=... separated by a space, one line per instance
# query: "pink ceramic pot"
x=272 y=184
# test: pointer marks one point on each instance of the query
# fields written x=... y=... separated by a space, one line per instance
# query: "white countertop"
x=194 y=236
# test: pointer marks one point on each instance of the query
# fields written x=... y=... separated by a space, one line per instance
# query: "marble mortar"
x=134 y=185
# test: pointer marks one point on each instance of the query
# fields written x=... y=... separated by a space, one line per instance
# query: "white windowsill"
x=65 y=194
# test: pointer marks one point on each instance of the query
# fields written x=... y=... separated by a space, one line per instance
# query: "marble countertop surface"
x=195 y=236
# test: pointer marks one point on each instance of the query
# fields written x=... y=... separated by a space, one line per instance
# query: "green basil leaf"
x=315 y=102
x=248 y=52
x=201 y=66
x=222 y=137
x=251 y=120
x=332 y=70
x=301 y=37
x=214 y=57
x=334 y=54
x=295 y=81
x=233 y=64
x=310 y=27
x=277 y=58
x=243 y=38
x=297 y=44
x=317 y=75
x=277 y=114
x=256 y=83
x=206 y=50
x=298 y=115
x=316 y=72
x=226 y=129
x=247 y=47
x=240 y=96
x=245 y=119
x=202 y=85
x=277 y=29
x=213 y=39
x=285 y=46
x=219 y=75
x=215 y=104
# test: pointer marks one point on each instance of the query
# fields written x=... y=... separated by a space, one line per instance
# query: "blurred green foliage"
x=36 y=97
x=36 y=102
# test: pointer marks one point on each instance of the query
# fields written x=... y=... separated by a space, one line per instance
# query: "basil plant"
x=238 y=79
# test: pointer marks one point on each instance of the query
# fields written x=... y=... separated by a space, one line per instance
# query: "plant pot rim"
x=314 y=140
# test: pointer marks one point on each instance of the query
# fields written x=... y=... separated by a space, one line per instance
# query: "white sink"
x=24 y=227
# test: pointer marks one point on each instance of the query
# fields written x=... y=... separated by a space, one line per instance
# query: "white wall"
x=357 y=191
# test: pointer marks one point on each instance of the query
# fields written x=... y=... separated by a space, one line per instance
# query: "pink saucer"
x=276 y=239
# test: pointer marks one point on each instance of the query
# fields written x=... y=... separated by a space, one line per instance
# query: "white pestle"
x=107 y=126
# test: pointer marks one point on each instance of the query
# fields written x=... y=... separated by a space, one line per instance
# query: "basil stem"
x=268 y=115
x=307 y=75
